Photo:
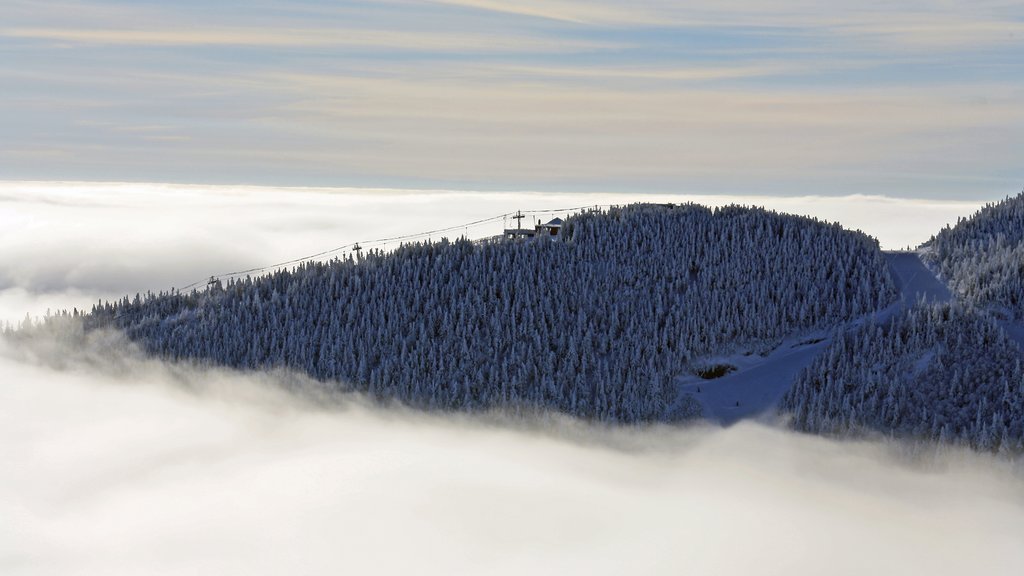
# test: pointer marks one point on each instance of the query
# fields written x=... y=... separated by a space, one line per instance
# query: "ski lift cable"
x=575 y=209
x=384 y=241
x=344 y=247
x=416 y=235
x=364 y=244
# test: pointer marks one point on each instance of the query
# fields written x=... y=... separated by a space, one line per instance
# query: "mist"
x=119 y=464
x=115 y=463
x=66 y=245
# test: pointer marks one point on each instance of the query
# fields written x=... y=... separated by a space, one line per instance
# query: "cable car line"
x=361 y=245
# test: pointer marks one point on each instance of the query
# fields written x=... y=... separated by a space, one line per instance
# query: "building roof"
x=554 y=223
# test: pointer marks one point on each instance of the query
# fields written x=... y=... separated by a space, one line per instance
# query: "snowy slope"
x=982 y=257
x=597 y=324
x=942 y=370
x=759 y=382
x=915 y=280
x=938 y=372
x=1015 y=330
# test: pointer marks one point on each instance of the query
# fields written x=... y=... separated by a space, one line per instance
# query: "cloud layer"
x=117 y=465
x=66 y=245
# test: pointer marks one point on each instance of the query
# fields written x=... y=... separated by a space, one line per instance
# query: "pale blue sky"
x=905 y=98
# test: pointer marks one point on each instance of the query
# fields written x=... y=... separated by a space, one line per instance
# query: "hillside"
x=596 y=323
x=982 y=257
x=948 y=372
x=944 y=373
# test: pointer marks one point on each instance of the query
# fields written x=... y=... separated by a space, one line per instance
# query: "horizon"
x=65 y=242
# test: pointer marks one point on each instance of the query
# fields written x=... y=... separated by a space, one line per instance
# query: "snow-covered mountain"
x=982 y=257
x=642 y=314
x=943 y=372
x=939 y=371
x=596 y=323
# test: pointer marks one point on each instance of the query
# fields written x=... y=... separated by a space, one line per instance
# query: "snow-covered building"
x=514 y=233
x=550 y=229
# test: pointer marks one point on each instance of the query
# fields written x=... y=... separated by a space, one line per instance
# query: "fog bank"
x=66 y=245
x=119 y=465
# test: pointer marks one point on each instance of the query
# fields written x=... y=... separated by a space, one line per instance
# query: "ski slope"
x=1015 y=330
x=915 y=280
x=759 y=382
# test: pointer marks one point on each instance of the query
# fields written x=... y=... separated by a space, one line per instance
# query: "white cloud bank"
x=113 y=466
x=116 y=465
x=65 y=245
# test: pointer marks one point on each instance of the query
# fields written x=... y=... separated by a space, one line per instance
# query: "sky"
x=150 y=144
x=905 y=98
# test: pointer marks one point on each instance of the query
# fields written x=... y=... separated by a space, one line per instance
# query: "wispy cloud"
x=562 y=11
x=613 y=132
x=669 y=73
x=907 y=24
x=307 y=37
x=936 y=33
x=656 y=95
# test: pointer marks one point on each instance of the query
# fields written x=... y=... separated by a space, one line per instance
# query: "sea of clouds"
x=114 y=463
x=117 y=464
x=65 y=245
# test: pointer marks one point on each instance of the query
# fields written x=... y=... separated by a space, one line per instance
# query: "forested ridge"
x=982 y=257
x=595 y=324
x=944 y=373
x=948 y=373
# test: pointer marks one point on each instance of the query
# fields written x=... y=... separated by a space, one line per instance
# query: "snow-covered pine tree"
x=595 y=325
x=982 y=257
x=945 y=373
